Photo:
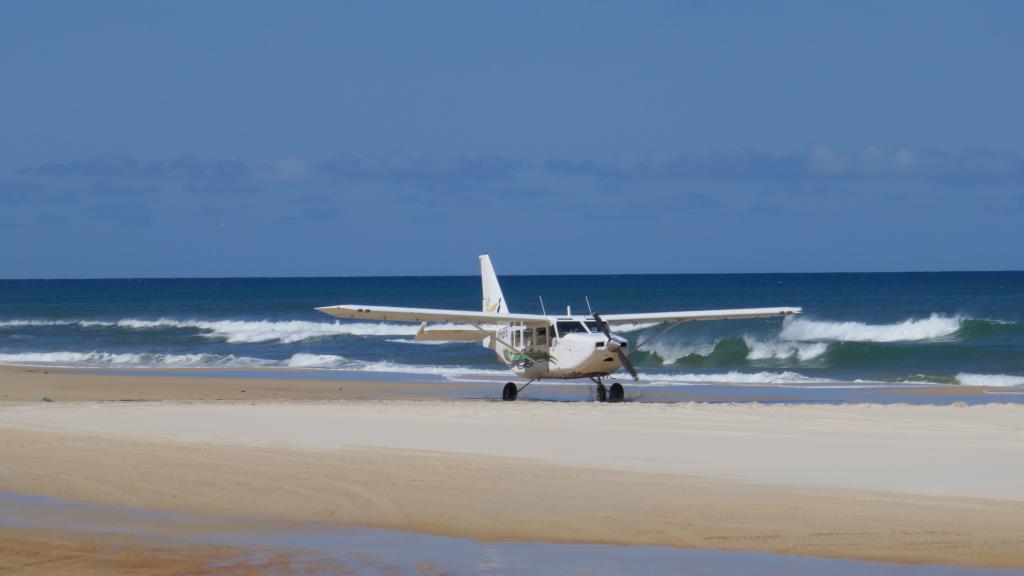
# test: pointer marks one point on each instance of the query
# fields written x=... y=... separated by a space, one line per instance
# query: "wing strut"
x=660 y=333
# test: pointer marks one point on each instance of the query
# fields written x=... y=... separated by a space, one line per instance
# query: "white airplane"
x=541 y=346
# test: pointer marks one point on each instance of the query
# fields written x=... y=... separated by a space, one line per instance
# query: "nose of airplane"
x=614 y=343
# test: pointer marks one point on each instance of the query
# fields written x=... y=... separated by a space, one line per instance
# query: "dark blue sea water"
x=856 y=330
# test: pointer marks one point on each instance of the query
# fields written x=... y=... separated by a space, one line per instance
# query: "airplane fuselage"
x=568 y=347
x=539 y=346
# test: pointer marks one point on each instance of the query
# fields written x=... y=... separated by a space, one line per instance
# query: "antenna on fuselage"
x=589 y=309
x=542 y=310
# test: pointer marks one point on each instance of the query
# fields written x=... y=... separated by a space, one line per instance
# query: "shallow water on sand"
x=374 y=551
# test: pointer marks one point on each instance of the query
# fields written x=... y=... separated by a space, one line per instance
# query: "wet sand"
x=31 y=384
x=50 y=552
x=890 y=483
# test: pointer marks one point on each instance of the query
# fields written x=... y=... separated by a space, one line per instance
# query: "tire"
x=602 y=393
x=509 y=392
x=616 y=393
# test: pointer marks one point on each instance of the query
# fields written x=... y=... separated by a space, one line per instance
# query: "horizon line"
x=584 y=274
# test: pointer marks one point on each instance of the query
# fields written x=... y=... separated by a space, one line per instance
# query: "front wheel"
x=509 y=392
x=616 y=393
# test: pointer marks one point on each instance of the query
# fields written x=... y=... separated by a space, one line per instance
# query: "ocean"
x=857 y=330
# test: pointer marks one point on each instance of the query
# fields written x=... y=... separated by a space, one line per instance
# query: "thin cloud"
x=400 y=166
x=186 y=168
x=971 y=166
x=419 y=166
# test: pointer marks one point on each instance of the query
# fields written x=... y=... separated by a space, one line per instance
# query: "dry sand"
x=895 y=483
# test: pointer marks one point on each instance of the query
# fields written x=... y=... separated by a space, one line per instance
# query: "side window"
x=542 y=337
x=527 y=338
x=517 y=339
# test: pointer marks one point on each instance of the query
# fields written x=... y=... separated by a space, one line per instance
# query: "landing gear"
x=616 y=393
x=509 y=392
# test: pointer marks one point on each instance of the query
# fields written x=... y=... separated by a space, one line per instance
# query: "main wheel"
x=616 y=393
x=602 y=393
x=509 y=392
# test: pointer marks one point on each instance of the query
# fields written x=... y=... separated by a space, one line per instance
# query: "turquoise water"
x=857 y=329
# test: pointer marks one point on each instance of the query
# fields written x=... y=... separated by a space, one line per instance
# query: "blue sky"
x=262 y=139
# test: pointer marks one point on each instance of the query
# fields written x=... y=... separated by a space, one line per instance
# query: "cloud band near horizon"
x=971 y=166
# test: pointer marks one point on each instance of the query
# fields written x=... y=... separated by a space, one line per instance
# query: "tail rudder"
x=494 y=300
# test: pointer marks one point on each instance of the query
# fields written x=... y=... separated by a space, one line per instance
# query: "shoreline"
x=32 y=383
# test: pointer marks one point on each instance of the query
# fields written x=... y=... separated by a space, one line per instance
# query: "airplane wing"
x=735 y=314
x=397 y=314
x=451 y=334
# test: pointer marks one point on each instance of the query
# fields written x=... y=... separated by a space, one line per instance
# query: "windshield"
x=593 y=327
x=567 y=327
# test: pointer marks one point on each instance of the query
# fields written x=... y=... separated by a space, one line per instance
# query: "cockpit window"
x=567 y=327
x=593 y=327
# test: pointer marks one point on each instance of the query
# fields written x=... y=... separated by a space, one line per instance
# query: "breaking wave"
x=141 y=360
x=303 y=360
x=246 y=331
x=989 y=380
x=934 y=327
x=734 y=377
x=800 y=352
x=955 y=349
x=298 y=360
x=846 y=344
x=734 y=350
x=794 y=330
x=468 y=373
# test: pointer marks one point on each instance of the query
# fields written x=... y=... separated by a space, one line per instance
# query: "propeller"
x=615 y=345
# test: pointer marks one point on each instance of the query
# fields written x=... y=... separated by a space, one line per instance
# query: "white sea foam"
x=45 y=358
x=671 y=351
x=734 y=377
x=302 y=360
x=298 y=360
x=94 y=359
x=934 y=327
x=993 y=380
x=454 y=373
x=30 y=322
x=286 y=331
x=249 y=331
x=419 y=342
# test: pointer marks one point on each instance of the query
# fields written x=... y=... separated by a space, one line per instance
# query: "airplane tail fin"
x=494 y=301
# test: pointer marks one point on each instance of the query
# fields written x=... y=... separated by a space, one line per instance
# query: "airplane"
x=543 y=346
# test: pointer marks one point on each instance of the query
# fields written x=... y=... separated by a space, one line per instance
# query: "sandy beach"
x=936 y=484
